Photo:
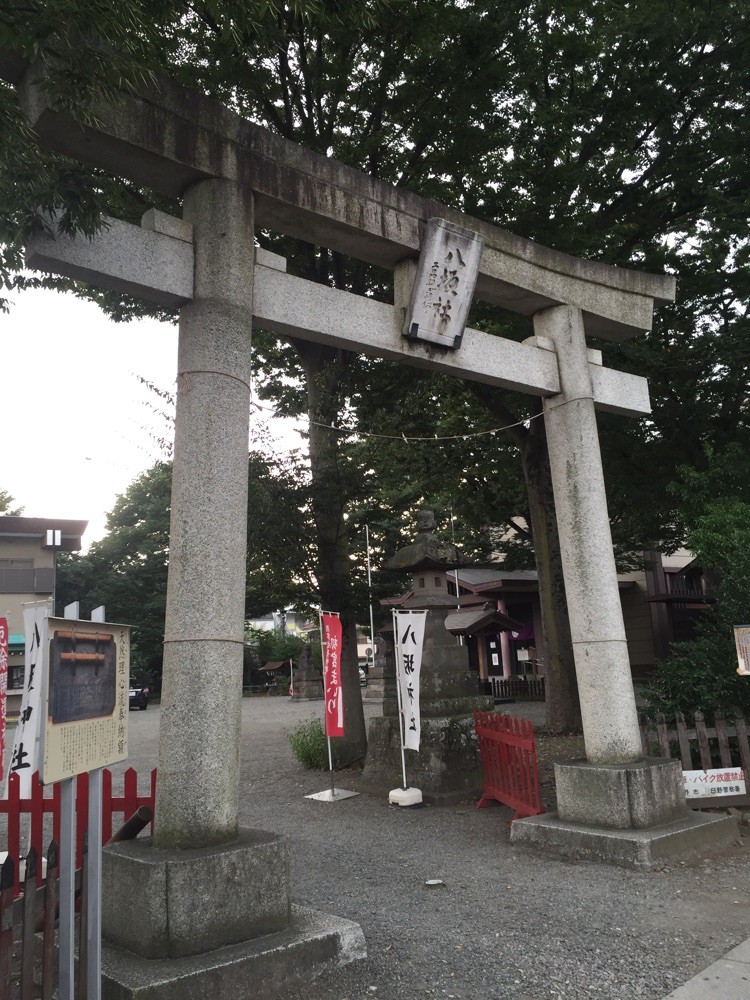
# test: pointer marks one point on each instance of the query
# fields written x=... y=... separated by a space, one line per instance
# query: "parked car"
x=138 y=695
x=362 y=678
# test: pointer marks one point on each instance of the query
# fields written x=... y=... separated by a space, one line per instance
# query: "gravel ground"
x=507 y=923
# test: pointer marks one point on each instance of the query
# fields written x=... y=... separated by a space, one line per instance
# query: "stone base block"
x=264 y=968
x=622 y=796
x=169 y=904
x=695 y=835
x=447 y=768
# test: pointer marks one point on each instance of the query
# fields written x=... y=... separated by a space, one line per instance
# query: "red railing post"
x=36 y=810
x=106 y=805
x=38 y=805
x=82 y=814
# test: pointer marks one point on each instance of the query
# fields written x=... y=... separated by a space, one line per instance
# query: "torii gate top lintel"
x=168 y=138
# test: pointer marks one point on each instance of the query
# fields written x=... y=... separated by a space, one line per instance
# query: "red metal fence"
x=509 y=766
x=38 y=805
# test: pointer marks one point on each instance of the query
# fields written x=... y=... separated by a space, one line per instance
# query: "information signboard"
x=86 y=692
x=716 y=783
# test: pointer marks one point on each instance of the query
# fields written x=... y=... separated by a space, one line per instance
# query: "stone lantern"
x=447 y=767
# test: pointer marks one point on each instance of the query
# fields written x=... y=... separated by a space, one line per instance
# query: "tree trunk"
x=563 y=709
x=325 y=369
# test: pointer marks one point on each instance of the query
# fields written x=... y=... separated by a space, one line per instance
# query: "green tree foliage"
x=6 y=505
x=701 y=675
x=127 y=569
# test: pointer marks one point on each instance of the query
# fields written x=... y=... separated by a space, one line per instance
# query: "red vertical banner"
x=3 y=686
x=332 y=675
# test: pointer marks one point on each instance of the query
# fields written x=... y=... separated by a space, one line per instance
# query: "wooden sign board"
x=86 y=691
x=446 y=276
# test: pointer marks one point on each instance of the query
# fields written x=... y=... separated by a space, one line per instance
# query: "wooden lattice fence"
x=701 y=746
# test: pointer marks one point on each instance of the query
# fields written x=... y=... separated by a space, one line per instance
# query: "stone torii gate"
x=232 y=177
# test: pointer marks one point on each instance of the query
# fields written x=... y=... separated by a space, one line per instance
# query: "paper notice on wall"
x=410 y=627
x=26 y=758
x=742 y=642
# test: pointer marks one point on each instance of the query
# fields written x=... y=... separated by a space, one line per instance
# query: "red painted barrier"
x=38 y=805
x=509 y=767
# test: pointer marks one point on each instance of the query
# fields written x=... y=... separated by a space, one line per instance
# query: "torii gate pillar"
x=197 y=794
x=610 y=720
x=616 y=805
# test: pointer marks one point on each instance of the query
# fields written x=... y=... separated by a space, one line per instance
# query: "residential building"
x=660 y=603
x=27 y=575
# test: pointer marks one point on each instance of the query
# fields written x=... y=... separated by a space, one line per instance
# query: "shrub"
x=308 y=741
x=701 y=675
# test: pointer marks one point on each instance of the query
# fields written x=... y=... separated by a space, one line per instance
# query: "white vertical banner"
x=410 y=627
x=27 y=751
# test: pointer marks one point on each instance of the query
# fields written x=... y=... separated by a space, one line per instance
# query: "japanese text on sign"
x=86 y=717
x=332 y=675
x=742 y=642
x=444 y=284
x=26 y=745
x=409 y=627
x=714 y=783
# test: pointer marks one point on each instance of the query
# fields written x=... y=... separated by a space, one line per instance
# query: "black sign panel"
x=82 y=675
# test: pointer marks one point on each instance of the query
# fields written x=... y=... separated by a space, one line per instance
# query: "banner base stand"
x=405 y=797
x=332 y=795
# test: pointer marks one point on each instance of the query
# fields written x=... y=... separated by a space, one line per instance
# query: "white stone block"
x=169 y=225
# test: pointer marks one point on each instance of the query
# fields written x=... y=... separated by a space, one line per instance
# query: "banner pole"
x=401 y=721
x=371 y=660
x=325 y=718
x=459 y=638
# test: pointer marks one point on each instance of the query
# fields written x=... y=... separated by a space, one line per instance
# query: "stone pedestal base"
x=199 y=923
x=626 y=814
x=264 y=967
x=447 y=768
x=622 y=796
x=308 y=686
x=697 y=835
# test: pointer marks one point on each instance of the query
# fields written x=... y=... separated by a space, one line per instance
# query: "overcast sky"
x=77 y=426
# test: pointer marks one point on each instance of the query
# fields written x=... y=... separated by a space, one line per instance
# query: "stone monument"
x=447 y=767
x=308 y=680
